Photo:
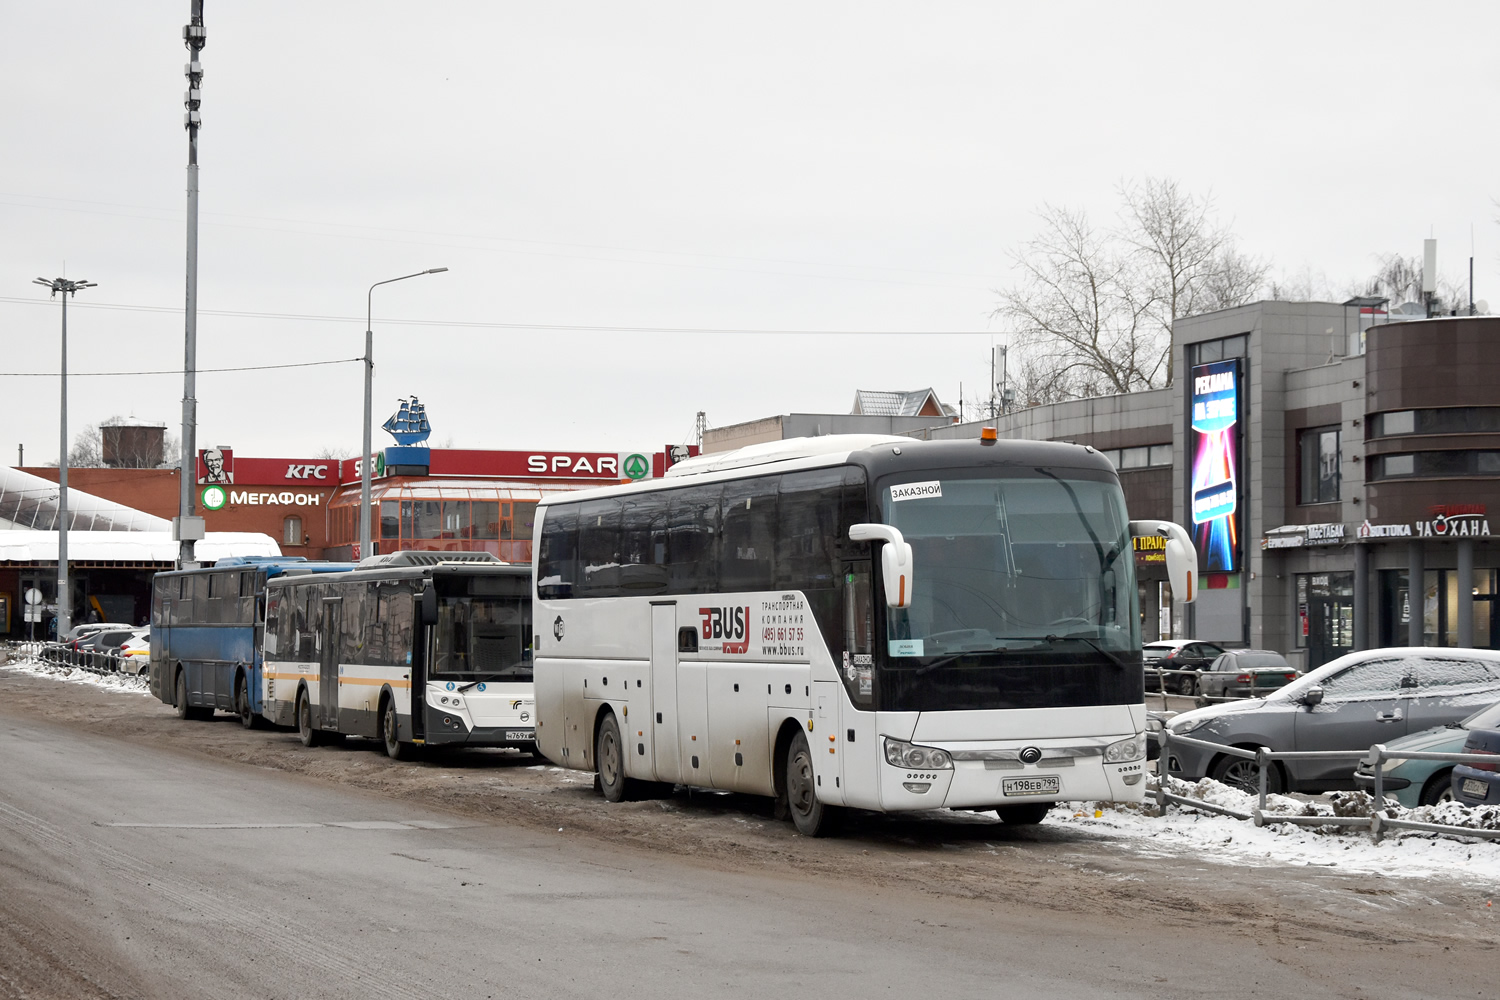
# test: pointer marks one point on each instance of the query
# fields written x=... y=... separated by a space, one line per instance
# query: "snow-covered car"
x=1358 y=700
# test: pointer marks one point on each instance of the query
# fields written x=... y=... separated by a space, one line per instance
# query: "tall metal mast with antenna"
x=187 y=528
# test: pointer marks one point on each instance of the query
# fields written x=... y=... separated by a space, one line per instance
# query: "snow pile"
x=1212 y=837
x=109 y=682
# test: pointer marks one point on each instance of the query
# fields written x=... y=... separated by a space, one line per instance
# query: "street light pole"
x=364 y=457
x=64 y=596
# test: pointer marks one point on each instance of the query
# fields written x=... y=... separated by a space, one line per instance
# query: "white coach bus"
x=345 y=652
x=852 y=620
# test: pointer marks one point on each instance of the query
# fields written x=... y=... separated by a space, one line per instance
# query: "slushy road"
x=131 y=870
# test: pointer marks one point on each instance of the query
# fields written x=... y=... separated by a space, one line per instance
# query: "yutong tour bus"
x=863 y=621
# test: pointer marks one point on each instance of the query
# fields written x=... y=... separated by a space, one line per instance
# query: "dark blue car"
x=1479 y=784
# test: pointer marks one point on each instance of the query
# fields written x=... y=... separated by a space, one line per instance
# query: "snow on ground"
x=109 y=682
x=1400 y=854
x=1185 y=831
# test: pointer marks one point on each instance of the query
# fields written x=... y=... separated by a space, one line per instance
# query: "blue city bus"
x=206 y=633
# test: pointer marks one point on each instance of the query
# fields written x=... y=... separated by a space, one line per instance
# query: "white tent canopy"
x=30 y=502
x=130 y=546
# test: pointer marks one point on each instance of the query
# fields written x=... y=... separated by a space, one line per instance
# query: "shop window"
x=487 y=518
x=1400 y=422
x=1443 y=464
x=1438 y=420
x=1318 y=465
x=1142 y=457
x=1222 y=349
x=390 y=519
x=291 y=530
x=455 y=519
x=1161 y=454
x=426 y=518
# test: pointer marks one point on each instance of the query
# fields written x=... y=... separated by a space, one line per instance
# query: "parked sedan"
x=1245 y=673
x=1479 y=784
x=1177 y=654
x=97 y=649
x=1352 y=703
x=1413 y=783
x=135 y=652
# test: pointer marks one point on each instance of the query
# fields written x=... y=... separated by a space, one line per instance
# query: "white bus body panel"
x=716 y=715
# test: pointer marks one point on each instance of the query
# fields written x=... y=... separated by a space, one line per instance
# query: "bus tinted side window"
x=692 y=540
x=748 y=538
x=351 y=639
x=557 y=563
x=599 y=549
x=643 y=544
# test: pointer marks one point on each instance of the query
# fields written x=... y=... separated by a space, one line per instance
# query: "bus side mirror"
x=429 y=606
x=1182 y=556
x=896 y=564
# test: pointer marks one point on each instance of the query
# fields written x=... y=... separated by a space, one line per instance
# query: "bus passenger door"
x=663 y=704
x=328 y=670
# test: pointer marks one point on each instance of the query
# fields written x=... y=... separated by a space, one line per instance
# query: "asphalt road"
x=129 y=870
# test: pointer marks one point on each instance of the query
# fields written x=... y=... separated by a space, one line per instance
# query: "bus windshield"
x=483 y=639
x=1033 y=561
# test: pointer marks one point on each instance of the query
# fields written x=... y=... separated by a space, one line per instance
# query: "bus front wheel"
x=811 y=817
x=390 y=733
x=306 y=732
x=610 y=760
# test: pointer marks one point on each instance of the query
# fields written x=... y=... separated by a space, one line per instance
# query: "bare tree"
x=1190 y=260
x=333 y=453
x=1094 y=310
x=1081 y=312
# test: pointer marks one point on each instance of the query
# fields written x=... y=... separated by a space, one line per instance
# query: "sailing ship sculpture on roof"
x=408 y=425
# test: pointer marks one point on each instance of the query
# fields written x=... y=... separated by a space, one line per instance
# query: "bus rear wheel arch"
x=609 y=758
x=309 y=734
x=242 y=708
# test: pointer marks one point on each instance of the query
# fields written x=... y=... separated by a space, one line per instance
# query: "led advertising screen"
x=1215 y=491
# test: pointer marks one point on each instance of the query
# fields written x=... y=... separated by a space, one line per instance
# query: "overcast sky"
x=731 y=171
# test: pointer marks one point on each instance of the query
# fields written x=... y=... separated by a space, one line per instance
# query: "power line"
x=485 y=325
x=179 y=371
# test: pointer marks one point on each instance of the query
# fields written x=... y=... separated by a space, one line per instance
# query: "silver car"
x=1352 y=703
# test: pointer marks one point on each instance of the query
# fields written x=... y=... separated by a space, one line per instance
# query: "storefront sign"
x=1325 y=534
x=286 y=498
x=1368 y=530
x=1213 y=498
x=526 y=465
x=1150 y=550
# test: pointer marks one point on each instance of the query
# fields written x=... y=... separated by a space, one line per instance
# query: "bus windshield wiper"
x=1104 y=651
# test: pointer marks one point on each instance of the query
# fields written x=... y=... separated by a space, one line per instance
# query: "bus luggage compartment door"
x=328 y=670
x=827 y=741
x=661 y=709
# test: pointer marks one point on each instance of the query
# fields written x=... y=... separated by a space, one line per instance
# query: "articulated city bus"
x=344 y=655
x=852 y=621
x=206 y=629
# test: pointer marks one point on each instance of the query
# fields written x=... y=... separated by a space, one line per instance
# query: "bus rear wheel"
x=306 y=732
x=390 y=733
x=610 y=760
x=248 y=718
x=811 y=817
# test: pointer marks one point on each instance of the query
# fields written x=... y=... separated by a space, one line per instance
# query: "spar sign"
x=1214 y=493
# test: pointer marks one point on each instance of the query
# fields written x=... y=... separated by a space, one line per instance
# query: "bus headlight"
x=1125 y=751
x=902 y=754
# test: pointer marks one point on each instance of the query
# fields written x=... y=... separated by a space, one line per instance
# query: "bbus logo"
x=729 y=624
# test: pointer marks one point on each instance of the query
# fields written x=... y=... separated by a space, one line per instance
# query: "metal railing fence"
x=1264 y=757
x=102 y=662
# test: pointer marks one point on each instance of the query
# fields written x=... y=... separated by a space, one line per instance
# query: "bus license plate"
x=1047 y=784
x=1475 y=787
x=520 y=734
